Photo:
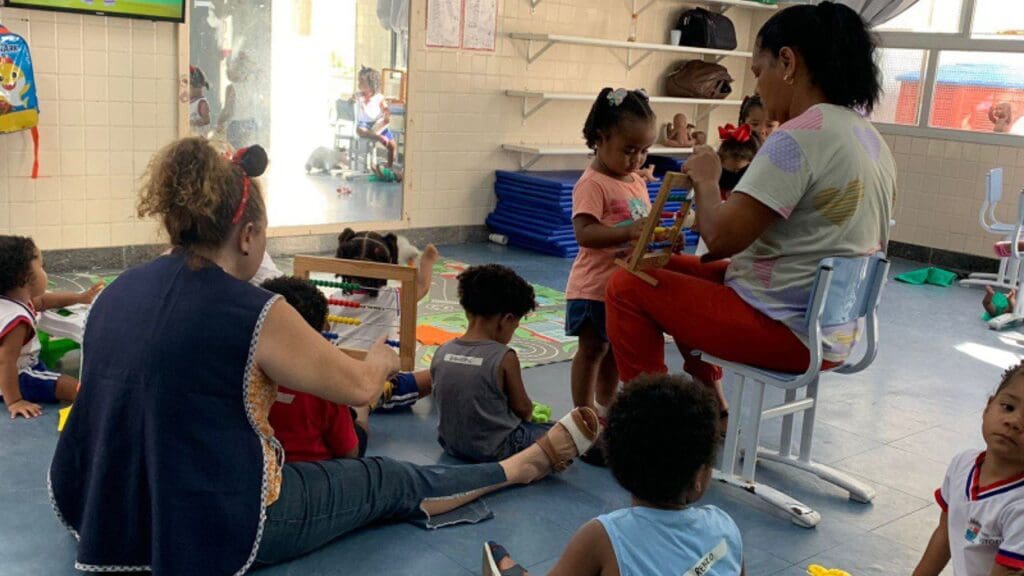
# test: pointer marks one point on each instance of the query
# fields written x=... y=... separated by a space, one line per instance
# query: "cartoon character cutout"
x=13 y=84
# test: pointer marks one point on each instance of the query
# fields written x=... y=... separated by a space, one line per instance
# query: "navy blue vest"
x=159 y=466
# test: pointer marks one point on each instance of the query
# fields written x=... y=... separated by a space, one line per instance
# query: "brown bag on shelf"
x=698 y=79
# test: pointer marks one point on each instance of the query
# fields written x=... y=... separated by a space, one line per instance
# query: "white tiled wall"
x=108 y=99
x=942 y=186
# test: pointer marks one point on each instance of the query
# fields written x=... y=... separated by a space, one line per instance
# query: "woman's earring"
x=788 y=79
x=245 y=252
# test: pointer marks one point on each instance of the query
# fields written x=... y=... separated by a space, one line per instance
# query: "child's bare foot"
x=430 y=255
x=986 y=301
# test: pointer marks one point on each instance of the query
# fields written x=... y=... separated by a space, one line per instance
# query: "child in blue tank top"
x=660 y=445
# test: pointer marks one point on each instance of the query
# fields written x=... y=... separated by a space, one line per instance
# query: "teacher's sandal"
x=583 y=427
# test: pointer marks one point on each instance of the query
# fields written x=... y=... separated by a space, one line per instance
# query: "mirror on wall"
x=322 y=84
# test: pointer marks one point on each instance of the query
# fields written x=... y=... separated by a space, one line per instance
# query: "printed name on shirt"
x=285 y=398
x=464 y=360
x=703 y=566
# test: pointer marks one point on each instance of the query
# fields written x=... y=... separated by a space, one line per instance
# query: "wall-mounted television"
x=166 y=10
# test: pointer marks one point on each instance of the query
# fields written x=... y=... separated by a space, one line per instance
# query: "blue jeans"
x=321 y=501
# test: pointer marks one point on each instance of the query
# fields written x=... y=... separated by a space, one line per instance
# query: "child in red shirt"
x=311 y=429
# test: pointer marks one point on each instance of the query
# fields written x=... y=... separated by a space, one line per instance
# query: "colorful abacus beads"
x=330 y=335
x=392 y=343
x=344 y=303
x=343 y=320
x=334 y=284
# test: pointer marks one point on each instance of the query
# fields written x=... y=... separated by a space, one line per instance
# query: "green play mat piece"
x=541 y=413
x=1001 y=304
x=930 y=275
x=389 y=176
x=53 y=349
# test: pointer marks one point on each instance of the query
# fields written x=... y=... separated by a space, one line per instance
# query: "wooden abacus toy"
x=647 y=253
x=406 y=343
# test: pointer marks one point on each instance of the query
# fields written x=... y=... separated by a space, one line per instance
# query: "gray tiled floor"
x=896 y=425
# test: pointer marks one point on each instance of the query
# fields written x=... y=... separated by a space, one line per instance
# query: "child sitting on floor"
x=485 y=412
x=311 y=429
x=24 y=379
x=660 y=445
x=981 y=528
x=379 y=306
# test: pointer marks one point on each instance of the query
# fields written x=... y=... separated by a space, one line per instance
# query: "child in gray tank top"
x=485 y=413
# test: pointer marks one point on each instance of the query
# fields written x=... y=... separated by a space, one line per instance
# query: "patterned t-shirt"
x=613 y=203
x=832 y=179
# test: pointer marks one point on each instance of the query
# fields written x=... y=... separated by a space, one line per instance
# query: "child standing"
x=239 y=120
x=24 y=379
x=198 y=106
x=610 y=203
x=660 y=445
x=373 y=114
x=379 y=308
x=981 y=528
x=485 y=412
x=311 y=429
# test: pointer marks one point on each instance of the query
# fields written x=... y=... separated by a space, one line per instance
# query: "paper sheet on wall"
x=444 y=22
x=479 y=24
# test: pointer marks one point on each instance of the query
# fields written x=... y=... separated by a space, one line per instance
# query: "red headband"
x=246 y=182
x=732 y=133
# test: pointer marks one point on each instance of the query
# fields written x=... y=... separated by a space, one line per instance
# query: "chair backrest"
x=994 y=186
x=846 y=289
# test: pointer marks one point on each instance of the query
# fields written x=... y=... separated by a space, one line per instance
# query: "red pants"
x=693 y=305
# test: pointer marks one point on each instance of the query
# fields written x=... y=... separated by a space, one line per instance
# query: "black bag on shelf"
x=698 y=79
x=703 y=29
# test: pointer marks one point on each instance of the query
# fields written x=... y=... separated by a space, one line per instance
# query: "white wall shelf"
x=720 y=5
x=543 y=42
x=543 y=98
x=531 y=154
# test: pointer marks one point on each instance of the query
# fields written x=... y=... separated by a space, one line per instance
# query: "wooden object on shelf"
x=643 y=258
x=304 y=265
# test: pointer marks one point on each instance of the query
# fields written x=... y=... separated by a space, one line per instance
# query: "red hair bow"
x=739 y=134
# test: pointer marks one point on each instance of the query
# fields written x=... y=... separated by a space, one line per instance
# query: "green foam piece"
x=53 y=349
x=541 y=413
x=930 y=275
x=1001 y=304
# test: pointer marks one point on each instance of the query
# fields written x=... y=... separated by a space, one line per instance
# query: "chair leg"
x=732 y=433
x=752 y=431
x=786 y=441
x=858 y=490
x=799 y=513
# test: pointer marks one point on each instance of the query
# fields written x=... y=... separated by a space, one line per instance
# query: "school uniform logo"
x=973 y=529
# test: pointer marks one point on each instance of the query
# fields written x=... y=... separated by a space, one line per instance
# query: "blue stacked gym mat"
x=535 y=210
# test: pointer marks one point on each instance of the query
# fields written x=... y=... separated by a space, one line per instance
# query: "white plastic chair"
x=362 y=153
x=1008 y=267
x=1014 y=317
x=846 y=290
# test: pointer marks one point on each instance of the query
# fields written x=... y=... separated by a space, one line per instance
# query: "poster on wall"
x=466 y=24
x=479 y=24
x=444 y=23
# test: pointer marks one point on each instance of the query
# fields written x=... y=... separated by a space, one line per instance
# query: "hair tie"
x=615 y=97
x=730 y=133
x=253 y=162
